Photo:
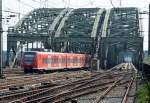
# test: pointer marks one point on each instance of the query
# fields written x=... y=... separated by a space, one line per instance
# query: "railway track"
x=77 y=88
x=122 y=92
x=13 y=72
x=122 y=75
x=35 y=79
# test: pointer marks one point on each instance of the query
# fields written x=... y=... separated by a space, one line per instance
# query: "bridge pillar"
x=11 y=45
x=95 y=63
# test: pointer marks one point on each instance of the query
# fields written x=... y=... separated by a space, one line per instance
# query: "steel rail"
x=127 y=91
x=107 y=90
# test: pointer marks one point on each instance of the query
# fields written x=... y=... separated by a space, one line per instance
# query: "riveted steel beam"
x=57 y=20
x=58 y=31
x=106 y=21
x=76 y=39
x=110 y=40
x=96 y=23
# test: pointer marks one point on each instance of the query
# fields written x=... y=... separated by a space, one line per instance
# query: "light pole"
x=120 y=3
x=149 y=33
x=1 y=40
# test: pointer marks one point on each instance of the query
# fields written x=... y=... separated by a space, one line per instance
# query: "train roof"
x=43 y=52
x=51 y=52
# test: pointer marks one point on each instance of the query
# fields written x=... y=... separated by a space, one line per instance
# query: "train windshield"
x=29 y=57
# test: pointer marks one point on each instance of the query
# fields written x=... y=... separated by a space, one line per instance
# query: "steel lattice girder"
x=34 y=27
x=121 y=32
x=36 y=24
x=80 y=25
x=81 y=30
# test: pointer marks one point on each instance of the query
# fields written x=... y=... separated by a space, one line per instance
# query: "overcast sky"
x=25 y=6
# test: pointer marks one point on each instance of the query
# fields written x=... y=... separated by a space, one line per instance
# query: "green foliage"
x=148 y=60
x=143 y=94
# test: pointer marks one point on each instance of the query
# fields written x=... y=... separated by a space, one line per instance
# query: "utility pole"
x=40 y=3
x=68 y=3
x=149 y=33
x=19 y=10
x=1 y=40
x=120 y=3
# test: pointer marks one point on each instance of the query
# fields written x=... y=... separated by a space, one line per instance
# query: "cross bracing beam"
x=76 y=39
x=27 y=38
x=110 y=40
x=125 y=32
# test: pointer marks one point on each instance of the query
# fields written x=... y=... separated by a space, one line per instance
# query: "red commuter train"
x=43 y=61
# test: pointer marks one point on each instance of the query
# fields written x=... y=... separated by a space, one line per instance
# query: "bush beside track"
x=144 y=88
x=143 y=93
x=146 y=70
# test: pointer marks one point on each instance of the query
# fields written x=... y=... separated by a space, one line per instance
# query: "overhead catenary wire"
x=111 y=2
x=64 y=2
x=68 y=4
x=46 y=4
x=120 y=3
x=36 y=1
x=91 y=2
x=19 y=13
x=10 y=10
x=25 y=4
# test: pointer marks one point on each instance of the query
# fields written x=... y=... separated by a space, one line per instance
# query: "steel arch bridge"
x=35 y=26
x=79 y=31
x=122 y=39
x=104 y=34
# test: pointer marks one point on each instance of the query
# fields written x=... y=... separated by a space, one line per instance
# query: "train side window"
x=46 y=60
x=63 y=60
x=75 y=60
x=71 y=60
x=79 y=59
x=68 y=60
x=56 y=60
x=60 y=60
x=52 y=60
x=49 y=60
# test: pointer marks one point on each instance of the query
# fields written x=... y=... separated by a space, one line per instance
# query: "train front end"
x=29 y=61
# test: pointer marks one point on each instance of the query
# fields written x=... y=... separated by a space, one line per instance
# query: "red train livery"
x=53 y=61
